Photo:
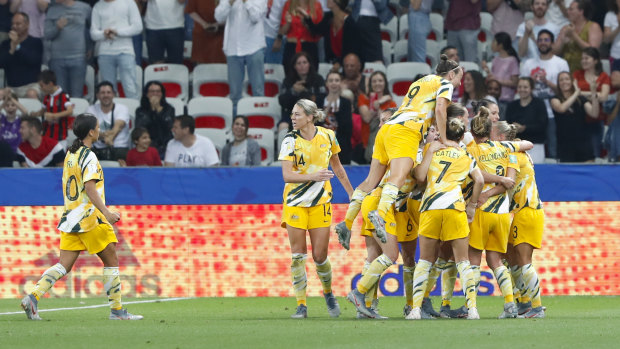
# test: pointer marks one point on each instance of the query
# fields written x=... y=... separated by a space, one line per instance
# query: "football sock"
x=515 y=273
x=505 y=284
x=420 y=281
x=375 y=269
x=48 y=279
x=469 y=285
x=476 y=270
x=408 y=281
x=434 y=275
x=388 y=197
x=324 y=270
x=372 y=293
x=300 y=282
x=532 y=285
x=112 y=287
x=354 y=206
x=448 y=279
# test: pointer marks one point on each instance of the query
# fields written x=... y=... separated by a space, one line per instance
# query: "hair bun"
x=443 y=57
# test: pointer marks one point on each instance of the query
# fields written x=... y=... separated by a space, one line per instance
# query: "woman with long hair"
x=298 y=36
x=86 y=223
x=474 y=90
x=339 y=116
x=572 y=110
x=156 y=115
x=306 y=154
x=242 y=151
x=505 y=67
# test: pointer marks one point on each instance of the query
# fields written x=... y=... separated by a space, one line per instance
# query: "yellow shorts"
x=398 y=141
x=413 y=208
x=307 y=217
x=527 y=227
x=444 y=225
x=398 y=224
x=370 y=203
x=93 y=241
x=489 y=231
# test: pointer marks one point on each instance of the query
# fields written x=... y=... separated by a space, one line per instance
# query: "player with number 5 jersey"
x=306 y=154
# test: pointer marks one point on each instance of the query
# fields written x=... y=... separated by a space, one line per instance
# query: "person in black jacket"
x=529 y=114
x=339 y=116
x=301 y=81
x=156 y=115
x=339 y=31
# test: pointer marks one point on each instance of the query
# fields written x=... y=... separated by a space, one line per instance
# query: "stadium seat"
x=281 y=135
x=187 y=49
x=80 y=105
x=400 y=51
x=400 y=75
x=262 y=112
x=1 y=78
x=432 y=53
x=485 y=35
x=403 y=27
x=211 y=112
x=109 y=163
x=174 y=77
x=436 y=27
x=31 y=104
x=89 y=83
x=324 y=69
x=398 y=100
x=387 y=52
x=274 y=77
x=132 y=105
x=178 y=104
x=120 y=92
x=389 y=31
x=210 y=80
x=606 y=66
x=370 y=68
x=469 y=66
x=265 y=139
x=217 y=136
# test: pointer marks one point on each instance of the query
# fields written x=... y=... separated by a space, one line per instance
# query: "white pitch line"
x=104 y=305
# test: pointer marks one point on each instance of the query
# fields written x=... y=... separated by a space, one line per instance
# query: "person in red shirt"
x=37 y=150
x=57 y=107
x=143 y=154
x=298 y=37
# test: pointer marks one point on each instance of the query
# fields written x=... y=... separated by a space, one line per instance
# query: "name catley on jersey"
x=308 y=156
x=495 y=158
x=448 y=170
x=525 y=191
x=80 y=214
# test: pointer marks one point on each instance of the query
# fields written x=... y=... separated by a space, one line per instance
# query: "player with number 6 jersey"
x=306 y=154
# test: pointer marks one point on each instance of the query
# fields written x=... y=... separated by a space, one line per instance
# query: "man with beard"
x=544 y=70
x=528 y=30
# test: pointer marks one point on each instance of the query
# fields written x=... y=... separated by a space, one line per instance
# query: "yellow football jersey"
x=80 y=214
x=446 y=173
x=495 y=158
x=419 y=103
x=525 y=191
x=308 y=156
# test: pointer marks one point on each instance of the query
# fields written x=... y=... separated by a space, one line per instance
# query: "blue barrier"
x=262 y=185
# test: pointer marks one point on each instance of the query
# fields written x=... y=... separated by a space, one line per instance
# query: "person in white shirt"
x=114 y=23
x=244 y=43
x=544 y=70
x=528 y=30
x=165 y=30
x=558 y=12
x=271 y=25
x=187 y=149
x=114 y=142
x=612 y=36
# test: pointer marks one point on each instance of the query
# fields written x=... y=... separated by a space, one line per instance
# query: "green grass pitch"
x=572 y=322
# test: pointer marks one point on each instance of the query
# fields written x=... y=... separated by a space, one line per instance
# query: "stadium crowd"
x=333 y=52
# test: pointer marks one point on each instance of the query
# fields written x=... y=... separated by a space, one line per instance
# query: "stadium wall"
x=216 y=232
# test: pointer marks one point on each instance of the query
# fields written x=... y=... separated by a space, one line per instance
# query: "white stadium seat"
x=401 y=75
x=174 y=77
x=211 y=112
x=265 y=139
x=262 y=112
x=210 y=80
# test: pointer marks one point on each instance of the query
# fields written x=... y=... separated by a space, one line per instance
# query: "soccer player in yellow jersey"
x=490 y=228
x=444 y=214
x=397 y=142
x=85 y=223
x=306 y=154
x=527 y=227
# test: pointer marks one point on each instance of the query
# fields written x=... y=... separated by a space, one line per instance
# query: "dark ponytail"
x=82 y=125
x=445 y=65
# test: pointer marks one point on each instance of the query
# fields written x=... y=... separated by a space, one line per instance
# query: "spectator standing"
x=572 y=111
x=244 y=43
x=57 y=107
x=474 y=90
x=188 y=149
x=10 y=122
x=591 y=73
x=243 y=150
x=66 y=25
x=165 y=30
x=5 y=19
x=271 y=24
x=558 y=12
x=298 y=37
x=339 y=116
x=208 y=34
x=610 y=36
x=156 y=115
x=21 y=58
x=578 y=34
x=113 y=143
x=463 y=25
x=7 y=155
x=529 y=114
x=505 y=68
x=37 y=150
x=527 y=32
x=114 y=23
x=371 y=105
x=369 y=14
x=143 y=154
x=507 y=15
x=419 y=28
x=35 y=9
x=544 y=71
